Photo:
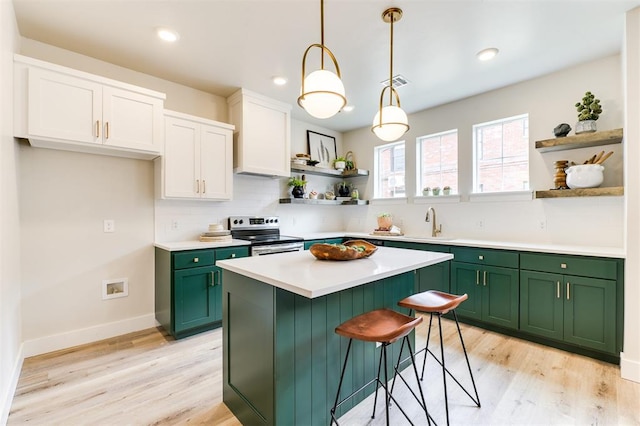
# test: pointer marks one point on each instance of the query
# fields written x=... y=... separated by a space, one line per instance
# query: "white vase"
x=586 y=126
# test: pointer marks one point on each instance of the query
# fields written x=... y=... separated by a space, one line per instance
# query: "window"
x=389 y=170
x=501 y=155
x=438 y=161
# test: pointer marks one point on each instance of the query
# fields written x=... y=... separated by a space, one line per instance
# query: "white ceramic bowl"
x=585 y=176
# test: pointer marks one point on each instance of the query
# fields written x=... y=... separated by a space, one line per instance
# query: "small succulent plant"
x=589 y=108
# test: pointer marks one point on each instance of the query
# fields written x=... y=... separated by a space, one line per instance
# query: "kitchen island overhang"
x=281 y=356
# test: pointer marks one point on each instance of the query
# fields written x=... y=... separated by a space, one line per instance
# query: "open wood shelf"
x=320 y=171
x=323 y=202
x=583 y=192
x=583 y=140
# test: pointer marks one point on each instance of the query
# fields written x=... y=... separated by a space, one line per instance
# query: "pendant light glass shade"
x=390 y=122
x=392 y=125
x=324 y=95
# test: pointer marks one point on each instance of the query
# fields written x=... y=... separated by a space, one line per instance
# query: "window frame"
x=376 y=169
x=419 y=164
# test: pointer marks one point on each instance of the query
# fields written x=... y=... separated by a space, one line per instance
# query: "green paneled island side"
x=281 y=357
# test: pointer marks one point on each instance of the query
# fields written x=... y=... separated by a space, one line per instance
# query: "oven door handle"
x=276 y=248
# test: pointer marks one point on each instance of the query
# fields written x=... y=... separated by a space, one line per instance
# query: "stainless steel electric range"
x=264 y=234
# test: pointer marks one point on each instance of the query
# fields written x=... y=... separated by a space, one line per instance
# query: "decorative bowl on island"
x=349 y=250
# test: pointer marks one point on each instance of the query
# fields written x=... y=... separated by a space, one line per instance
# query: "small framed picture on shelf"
x=322 y=148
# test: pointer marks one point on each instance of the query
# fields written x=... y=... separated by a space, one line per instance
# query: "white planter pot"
x=586 y=126
x=339 y=165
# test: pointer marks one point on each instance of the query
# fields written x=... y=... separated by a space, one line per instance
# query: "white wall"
x=630 y=357
x=549 y=100
x=10 y=315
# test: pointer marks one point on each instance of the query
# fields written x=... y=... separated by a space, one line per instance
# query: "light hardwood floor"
x=147 y=378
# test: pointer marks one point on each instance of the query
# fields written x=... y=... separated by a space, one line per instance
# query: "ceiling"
x=228 y=44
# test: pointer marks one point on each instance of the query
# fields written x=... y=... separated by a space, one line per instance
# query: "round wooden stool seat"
x=432 y=301
x=380 y=325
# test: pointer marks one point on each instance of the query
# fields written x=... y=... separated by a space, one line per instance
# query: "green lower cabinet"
x=309 y=243
x=188 y=289
x=435 y=277
x=197 y=297
x=493 y=293
x=573 y=309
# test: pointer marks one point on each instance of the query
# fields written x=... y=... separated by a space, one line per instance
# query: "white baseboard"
x=86 y=335
x=7 y=398
x=629 y=369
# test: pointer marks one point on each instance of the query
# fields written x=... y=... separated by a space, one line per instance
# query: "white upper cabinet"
x=262 y=141
x=60 y=108
x=198 y=157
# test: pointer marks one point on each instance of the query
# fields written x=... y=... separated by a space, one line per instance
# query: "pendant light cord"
x=322 y=34
x=393 y=18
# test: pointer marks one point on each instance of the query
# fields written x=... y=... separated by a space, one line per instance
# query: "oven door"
x=261 y=250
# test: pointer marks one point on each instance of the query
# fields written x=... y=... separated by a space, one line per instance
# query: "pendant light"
x=390 y=121
x=322 y=92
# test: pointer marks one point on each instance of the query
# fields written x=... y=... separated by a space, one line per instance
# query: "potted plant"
x=385 y=221
x=340 y=163
x=436 y=190
x=589 y=110
x=298 y=186
x=446 y=190
x=426 y=191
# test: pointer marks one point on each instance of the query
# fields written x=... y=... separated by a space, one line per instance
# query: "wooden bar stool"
x=439 y=303
x=386 y=327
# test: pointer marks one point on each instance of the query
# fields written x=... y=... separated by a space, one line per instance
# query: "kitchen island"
x=282 y=358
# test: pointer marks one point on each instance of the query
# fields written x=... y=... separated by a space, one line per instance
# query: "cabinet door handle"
x=196 y=260
x=212 y=281
x=568 y=295
x=197 y=186
x=97 y=128
x=204 y=186
x=477 y=277
x=215 y=278
x=558 y=290
x=484 y=277
x=106 y=130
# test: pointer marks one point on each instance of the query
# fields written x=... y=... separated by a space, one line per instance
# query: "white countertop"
x=613 y=252
x=195 y=245
x=301 y=273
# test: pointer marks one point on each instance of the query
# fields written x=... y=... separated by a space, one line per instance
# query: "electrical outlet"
x=542 y=224
x=174 y=224
x=480 y=224
x=109 y=225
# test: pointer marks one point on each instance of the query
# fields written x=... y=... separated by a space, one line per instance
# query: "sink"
x=430 y=238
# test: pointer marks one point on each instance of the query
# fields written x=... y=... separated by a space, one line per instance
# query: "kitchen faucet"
x=432 y=218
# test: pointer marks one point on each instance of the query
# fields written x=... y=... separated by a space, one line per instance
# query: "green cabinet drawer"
x=575 y=265
x=193 y=258
x=482 y=256
x=231 y=253
x=418 y=246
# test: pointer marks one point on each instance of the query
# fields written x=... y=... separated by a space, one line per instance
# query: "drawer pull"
x=477 y=277
x=196 y=260
x=563 y=265
x=484 y=277
x=568 y=296
x=98 y=129
x=481 y=257
x=558 y=290
x=233 y=255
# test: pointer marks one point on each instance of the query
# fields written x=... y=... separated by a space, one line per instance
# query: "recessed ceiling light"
x=167 y=34
x=348 y=108
x=487 y=54
x=279 y=81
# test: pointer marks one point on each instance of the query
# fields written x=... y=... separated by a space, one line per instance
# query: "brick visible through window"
x=501 y=155
x=438 y=161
